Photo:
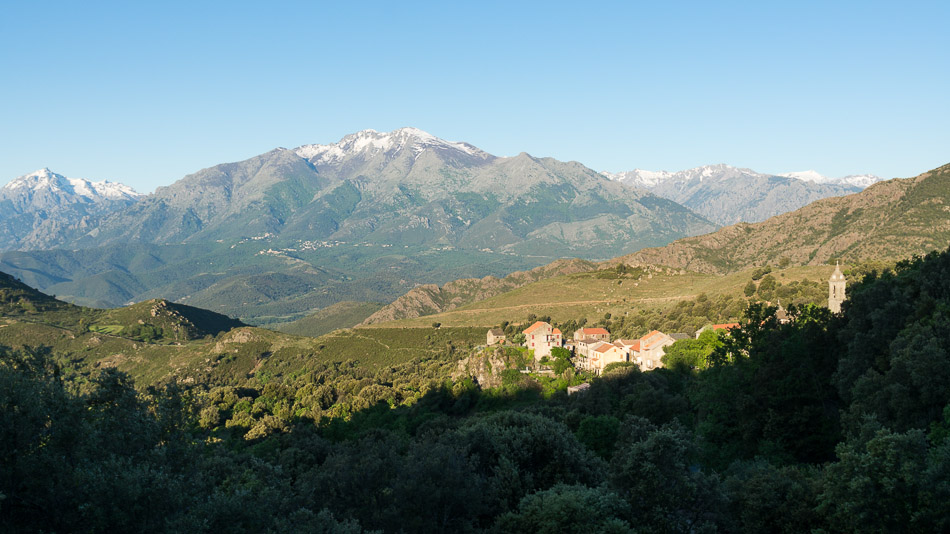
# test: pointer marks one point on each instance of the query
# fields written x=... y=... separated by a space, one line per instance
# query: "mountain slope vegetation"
x=887 y=221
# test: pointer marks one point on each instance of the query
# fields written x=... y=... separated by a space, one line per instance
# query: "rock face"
x=729 y=195
x=38 y=209
x=431 y=299
x=888 y=220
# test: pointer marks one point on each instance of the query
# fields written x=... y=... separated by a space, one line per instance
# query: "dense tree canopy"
x=829 y=422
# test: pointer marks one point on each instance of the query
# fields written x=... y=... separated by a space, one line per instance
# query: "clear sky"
x=147 y=92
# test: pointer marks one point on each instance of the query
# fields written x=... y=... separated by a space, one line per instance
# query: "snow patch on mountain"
x=722 y=172
x=652 y=179
x=857 y=180
x=371 y=142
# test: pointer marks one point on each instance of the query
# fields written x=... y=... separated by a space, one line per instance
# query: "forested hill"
x=827 y=423
x=887 y=221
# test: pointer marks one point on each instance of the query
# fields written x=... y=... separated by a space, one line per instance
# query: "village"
x=592 y=349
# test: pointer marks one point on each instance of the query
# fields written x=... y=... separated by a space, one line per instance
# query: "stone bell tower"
x=836 y=290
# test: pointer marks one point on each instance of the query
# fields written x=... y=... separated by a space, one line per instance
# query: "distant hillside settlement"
x=592 y=349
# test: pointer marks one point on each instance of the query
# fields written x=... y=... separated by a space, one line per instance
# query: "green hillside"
x=640 y=295
x=157 y=341
x=334 y=317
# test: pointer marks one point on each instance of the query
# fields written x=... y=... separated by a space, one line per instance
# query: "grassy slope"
x=593 y=294
x=339 y=315
x=199 y=346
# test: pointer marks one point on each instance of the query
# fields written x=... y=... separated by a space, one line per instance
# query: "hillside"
x=431 y=299
x=636 y=300
x=887 y=221
x=340 y=315
x=157 y=341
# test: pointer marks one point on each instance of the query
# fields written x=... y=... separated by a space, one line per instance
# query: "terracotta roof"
x=594 y=331
x=536 y=326
x=556 y=331
x=604 y=347
x=724 y=326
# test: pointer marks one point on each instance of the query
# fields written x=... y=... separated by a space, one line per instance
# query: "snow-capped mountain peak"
x=857 y=180
x=652 y=179
x=371 y=142
x=45 y=181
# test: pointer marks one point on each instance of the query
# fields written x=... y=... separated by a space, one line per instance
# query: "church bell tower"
x=836 y=290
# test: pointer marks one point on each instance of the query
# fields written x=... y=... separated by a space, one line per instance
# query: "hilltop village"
x=592 y=349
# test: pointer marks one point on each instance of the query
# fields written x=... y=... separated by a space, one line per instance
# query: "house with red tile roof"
x=723 y=326
x=600 y=334
x=542 y=337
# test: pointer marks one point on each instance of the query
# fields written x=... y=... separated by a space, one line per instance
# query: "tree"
x=562 y=360
x=891 y=483
x=653 y=471
x=599 y=433
x=749 y=289
x=568 y=508
x=688 y=354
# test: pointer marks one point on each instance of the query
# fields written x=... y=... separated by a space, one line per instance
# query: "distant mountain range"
x=403 y=187
x=727 y=195
x=365 y=219
x=37 y=209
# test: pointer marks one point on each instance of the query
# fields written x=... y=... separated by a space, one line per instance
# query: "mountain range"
x=38 y=208
x=365 y=219
x=727 y=195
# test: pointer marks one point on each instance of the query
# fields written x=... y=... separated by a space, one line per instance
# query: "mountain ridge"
x=889 y=220
x=36 y=209
x=727 y=194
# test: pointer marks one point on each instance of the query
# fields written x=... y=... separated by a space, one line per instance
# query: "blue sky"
x=145 y=93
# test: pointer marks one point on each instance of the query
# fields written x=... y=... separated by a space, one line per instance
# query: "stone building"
x=542 y=337
x=651 y=350
x=496 y=336
x=836 y=285
x=605 y=354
